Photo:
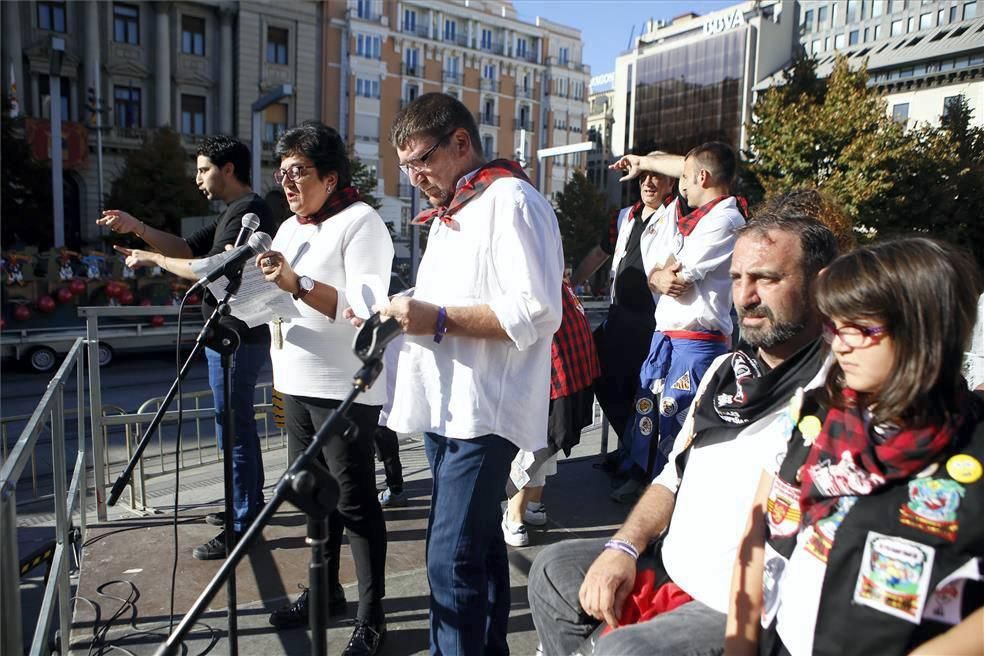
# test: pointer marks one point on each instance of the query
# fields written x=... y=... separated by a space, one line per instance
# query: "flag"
x=14 y=107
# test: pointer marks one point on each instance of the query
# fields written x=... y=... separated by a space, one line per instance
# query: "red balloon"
x=64 y=295
x=77 y=287
x=22 y=313
x=112 y=290
x=126 y=297
x=157 y=321
x=145 y=302
x=47 y=304
x=194 y=299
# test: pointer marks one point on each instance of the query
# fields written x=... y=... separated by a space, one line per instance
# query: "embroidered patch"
x=964 y=468
x=774 y=566
x=843 y=478
x=809 y=428
x=644 y=406
x=682 y=383
x=783 y=508
x=932 y=507
x=945 y=603
x=667 y=406
x=821 y=535
x=894 y=576
x=646 y=426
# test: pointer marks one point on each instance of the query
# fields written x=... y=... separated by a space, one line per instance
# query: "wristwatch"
x=304 y=285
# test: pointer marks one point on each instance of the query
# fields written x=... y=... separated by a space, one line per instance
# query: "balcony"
x=458 y=39
x=494 y=48
x=523 y=124
x=574 y=66
x=367 y=138
x=531 y=56
x=405 y=189
x=524 y=93
x=452 y=77
x=405 y=101
x=416 y=29
x=490 y=85
x=412 y=71
x=367 y=15
x=487 y=119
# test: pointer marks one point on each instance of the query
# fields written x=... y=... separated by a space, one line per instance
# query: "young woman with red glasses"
x=868 y=538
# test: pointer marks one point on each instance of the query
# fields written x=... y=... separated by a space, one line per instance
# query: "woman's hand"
x=276 y=269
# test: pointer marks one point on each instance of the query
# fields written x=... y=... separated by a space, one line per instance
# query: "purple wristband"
x=624 y=546
x=441 y=327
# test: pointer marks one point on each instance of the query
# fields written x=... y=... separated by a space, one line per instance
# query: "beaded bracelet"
x=441 y=328
x=624 y=546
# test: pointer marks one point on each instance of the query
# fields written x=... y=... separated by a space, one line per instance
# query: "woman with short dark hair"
x=868 y=537
x=334 y=240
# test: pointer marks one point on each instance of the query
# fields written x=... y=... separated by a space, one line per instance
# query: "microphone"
x=376 y=333
x=250 y=223
x=259 y=242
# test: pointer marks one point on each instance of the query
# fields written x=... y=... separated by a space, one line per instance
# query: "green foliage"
x=26 y=197
x=157 y=183
x=836 y=135
x=582 y=213
x=364 y=180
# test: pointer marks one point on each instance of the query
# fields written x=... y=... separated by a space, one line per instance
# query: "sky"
x=606 y=25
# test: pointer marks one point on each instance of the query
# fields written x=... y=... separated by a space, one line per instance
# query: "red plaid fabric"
x=573 y=358
x=337 y=202
x=475 y=187
x=845 y=461
x=687 y=223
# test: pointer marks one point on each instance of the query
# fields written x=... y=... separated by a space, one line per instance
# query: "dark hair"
x=221 y=150
x=320 y=144
x=808 y=215
x=434 y=115
x=925 y=294
x=718 y=159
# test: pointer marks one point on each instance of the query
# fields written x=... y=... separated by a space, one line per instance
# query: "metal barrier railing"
x=50 y=412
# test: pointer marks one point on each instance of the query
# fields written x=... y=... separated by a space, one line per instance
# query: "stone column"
x=162 y=64
x=226 y=70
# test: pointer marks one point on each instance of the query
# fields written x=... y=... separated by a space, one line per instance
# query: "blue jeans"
x=467 y=566
x=247 y=461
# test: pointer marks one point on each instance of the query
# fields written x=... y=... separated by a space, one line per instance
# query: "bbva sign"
x=723 y=23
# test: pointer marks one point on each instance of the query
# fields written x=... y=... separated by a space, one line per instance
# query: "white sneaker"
x=514 y=534
x=535 y=514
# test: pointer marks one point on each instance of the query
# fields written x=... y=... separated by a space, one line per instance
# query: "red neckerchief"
x=473 y=188
x=846 y=461
x=337 y=202
x=686 y=224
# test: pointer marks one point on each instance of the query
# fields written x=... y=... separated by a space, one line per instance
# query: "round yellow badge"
x=964 y=468
x=809 y=427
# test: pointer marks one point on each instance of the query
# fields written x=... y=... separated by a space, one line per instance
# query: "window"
x=950 y=103
x=51 y=16
x=276 y=47
x=488 y=71
x=526 y=81
x=877 y=32
x=367 y=88
x=896 y=28
x=488 y=147
x=486 y=39
x=65 y=89
x=126 y=23
x=839 y=42
x=900 y=112
x=564 y=55
x=833 y=14
x=877 y=8
x=853 y=10
x=410 y=58
x=450 y=29
x=409 y=20
x=822 y=17
x=953 y=13
x=521 y=47
x=970 y=10
x=363 y=9
x=126 y=107
x=925 y=21
x=368 y=46
x=866 y=35
x=816 y=46
x=852 y=38
x=808 y=21
x=910 y=24
x=826 y=43
x=192 y=114
x=193 y=35
x=274 y=122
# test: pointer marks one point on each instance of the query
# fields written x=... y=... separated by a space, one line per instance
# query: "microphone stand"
x=310 y=487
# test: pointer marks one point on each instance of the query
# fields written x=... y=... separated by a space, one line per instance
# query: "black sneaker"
x=215 y=519
x=366 y=639
x=296 y=614
x=215 y=548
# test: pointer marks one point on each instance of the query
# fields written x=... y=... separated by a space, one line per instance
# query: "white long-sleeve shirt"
x=316 y=359
x=706 y=258
x=502 y=249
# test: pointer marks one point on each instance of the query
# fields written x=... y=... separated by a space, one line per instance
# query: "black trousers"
x=388 y=450
x=350 y=461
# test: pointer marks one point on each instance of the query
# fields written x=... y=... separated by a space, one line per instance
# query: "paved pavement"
x=137 y=553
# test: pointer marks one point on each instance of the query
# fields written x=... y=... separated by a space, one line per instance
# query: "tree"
x=581 y=213
x=364 y=179
x=156 y=183
x=26 y=205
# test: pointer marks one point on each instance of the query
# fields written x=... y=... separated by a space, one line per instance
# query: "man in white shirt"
x=688 y=268
x=742 y=420
x=474 y=370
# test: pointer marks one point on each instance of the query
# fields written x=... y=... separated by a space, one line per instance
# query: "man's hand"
x=349 y=314
x=630 y=165
x=607 y=585
x=122 y=222
x=415 y=317
x=276 y=270
x=136 y=258
x=666 y=281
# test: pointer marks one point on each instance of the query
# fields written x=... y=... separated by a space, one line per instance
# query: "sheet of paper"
x=363 y=292
x=203 y=265
x=257 y=301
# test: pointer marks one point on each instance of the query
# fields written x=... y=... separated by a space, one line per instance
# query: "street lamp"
x=57 y=58
x=276 y=94
x=556 y=151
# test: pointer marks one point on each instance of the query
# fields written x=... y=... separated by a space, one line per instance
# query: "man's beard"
x=775 y=333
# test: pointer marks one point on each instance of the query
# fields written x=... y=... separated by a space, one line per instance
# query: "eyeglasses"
x=292 y=173
x=417 y=164
x=852 y=335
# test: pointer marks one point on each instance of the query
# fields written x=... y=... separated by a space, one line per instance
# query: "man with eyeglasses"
x=222 y=173
x=474 y=372
x=661 y=584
